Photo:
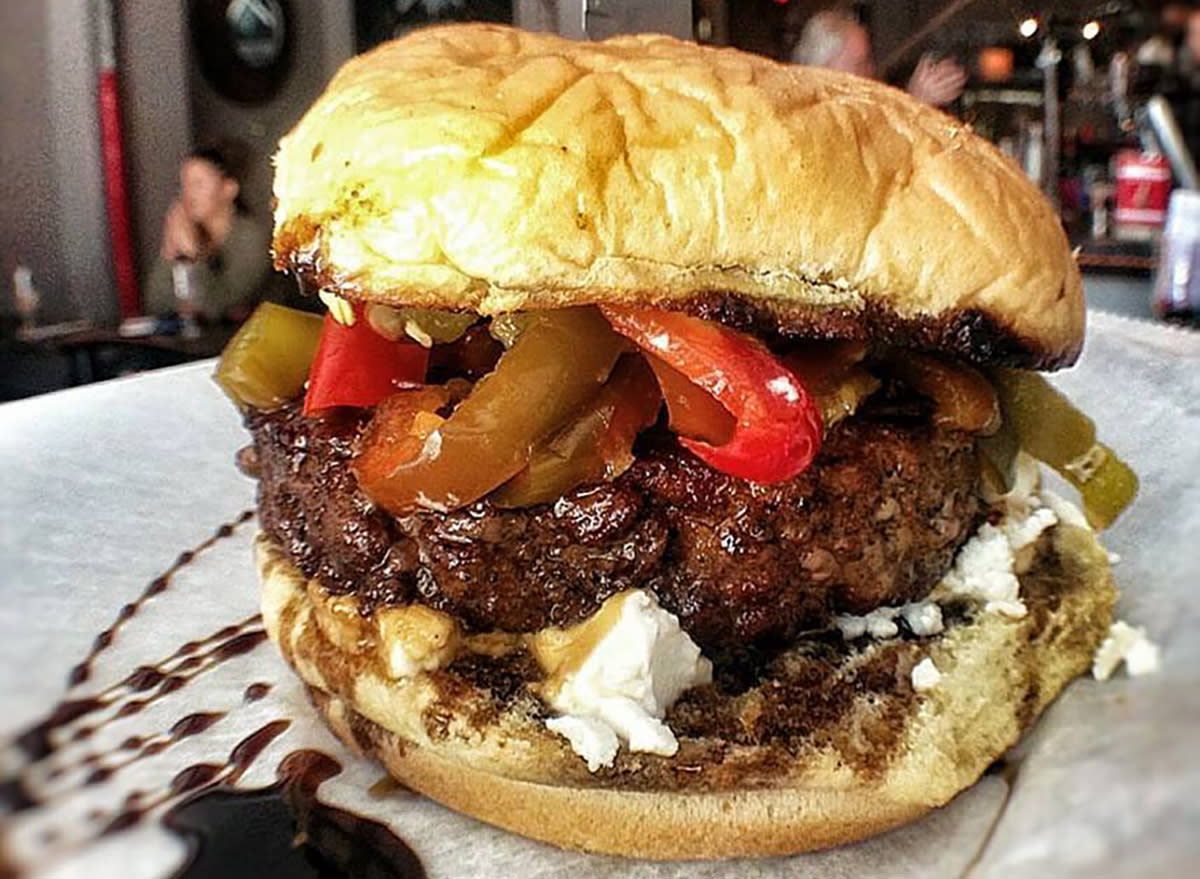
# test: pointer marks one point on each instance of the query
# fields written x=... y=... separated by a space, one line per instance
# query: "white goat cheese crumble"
x=415 y=638
x=1025 y=532
x=923 y=618
x=1128 y=644
x=925 y=675
x=986 y=567
x=878 y=624
x=1067 y=512
x=590 y=738
x=625 y=685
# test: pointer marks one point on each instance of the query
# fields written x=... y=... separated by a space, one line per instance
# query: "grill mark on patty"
x=876 y=521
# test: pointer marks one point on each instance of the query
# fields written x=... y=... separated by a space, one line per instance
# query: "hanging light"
x=1091 y=30
x=1028 y=27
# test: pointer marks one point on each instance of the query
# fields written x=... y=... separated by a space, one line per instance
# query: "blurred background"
x=103 y=100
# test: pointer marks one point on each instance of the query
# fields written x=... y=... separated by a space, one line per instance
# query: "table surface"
x=104 y=485
x=209 y=343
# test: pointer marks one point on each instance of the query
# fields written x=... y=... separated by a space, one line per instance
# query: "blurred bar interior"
x=1098 y=101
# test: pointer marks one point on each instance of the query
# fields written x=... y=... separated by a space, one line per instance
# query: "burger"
x=662 y=477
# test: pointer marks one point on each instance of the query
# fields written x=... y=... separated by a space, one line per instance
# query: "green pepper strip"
x=1045 y=424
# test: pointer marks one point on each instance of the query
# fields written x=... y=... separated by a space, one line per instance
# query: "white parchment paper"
x=101 y=488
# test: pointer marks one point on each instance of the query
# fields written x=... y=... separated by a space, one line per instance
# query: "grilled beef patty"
x=875 y=521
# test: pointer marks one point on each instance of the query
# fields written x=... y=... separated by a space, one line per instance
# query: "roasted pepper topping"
x=425 y=326
x=778 y=426
x=1044 y=423
x=266 y=362
x=402 y=424
x=549 y=417
x=832 y=373
x=693 y=411
x=963 y=398
x=506 y=327
x=597 y=446
x=556 y=365
x=355 y=366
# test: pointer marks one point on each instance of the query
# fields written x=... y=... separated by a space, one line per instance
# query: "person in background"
x=834 y=39
x=1163 y=48
x=207 y=231
x=1191 y=39
x=1183 y=88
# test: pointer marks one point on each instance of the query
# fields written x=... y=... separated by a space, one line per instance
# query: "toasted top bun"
x=480 y=167
x=862 y=753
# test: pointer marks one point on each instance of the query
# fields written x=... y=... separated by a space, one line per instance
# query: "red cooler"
x=1143 y=189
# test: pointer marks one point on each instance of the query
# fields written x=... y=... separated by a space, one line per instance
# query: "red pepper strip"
x=693 y=411
x=779 y=429
x=355 y=366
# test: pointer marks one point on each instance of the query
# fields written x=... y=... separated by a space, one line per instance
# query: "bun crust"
x=479 y=745
x=482 y=168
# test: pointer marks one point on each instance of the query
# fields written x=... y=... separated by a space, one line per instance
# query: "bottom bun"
x=864 y=752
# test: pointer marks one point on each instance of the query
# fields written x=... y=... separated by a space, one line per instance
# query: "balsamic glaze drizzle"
x=284 y=830
x=158 y=585
x=199 y=801
x=37 y=742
